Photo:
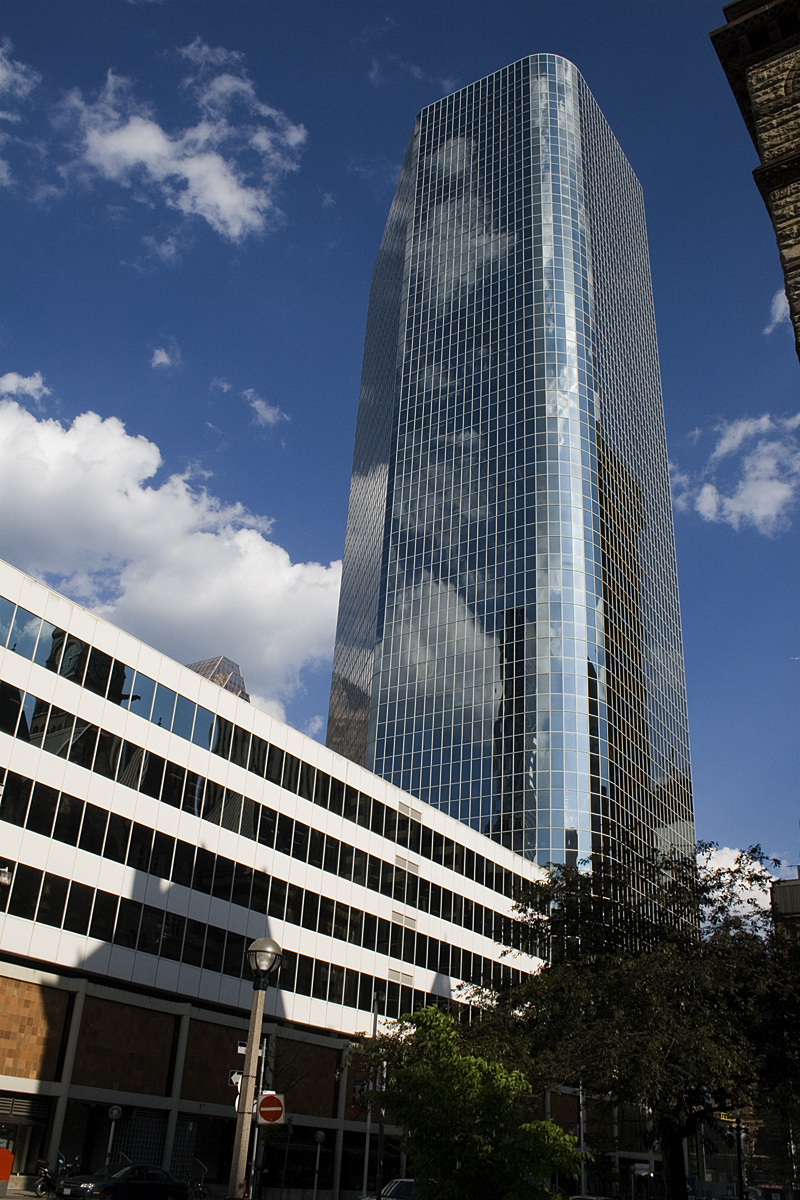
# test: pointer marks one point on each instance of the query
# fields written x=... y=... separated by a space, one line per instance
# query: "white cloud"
x=751 y=478
x=12 y=384
x=779 y=311
x=222 y=384
x=172 y=564
x=266 y=414
x=314 y=726
x=17 y=80
x=224 y=169
x=160 y=358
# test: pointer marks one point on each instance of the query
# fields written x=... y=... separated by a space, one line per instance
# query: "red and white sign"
x=270 y=1109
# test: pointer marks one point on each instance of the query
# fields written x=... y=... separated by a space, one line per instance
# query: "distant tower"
x=759 y=49
x=509 y=645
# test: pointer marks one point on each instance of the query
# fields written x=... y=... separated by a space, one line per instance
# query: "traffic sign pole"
x=236 y=1184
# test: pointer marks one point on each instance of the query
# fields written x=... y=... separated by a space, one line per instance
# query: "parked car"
x=397 y=1189
x=136 y=1182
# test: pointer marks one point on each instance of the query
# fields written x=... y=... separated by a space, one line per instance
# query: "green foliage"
x=464 y=1117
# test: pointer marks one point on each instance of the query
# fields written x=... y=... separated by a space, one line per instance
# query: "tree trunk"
x=671 y=1137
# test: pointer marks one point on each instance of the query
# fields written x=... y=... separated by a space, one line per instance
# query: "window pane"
x=203 y=727
x=6 y=617
x=52 y=900
x=79 y=908
x=260 y=893
x=42 y=809
x=73 y=661
x=193 y=793
x=107 y=754
x=141 y=700
x=172 y=936
x=322 y=785
x=150 y=930
x=223 y=732
x=183 y=864
x=68 y=820
x=119 y=689
x=48 y=646
x=183 y=718
x=103 y=916
x=232 y=811
x=203 y=871
x=59 y=731
x=212 y=808
x=163 y=707
x=172 y=788
x=127 y=928
x=117 y=835
x=84 y=740
x=193 y=943
x=223 y=879
x=24 y=633
x=242 y=884
x=152 y=775
x=215 y=943
x=130 y=765
x=14 y=800
x=140 y=847
x=98 y=670
x=10 y=701
x=250 y=814
x=234 y=955
x=258 y=756
x=161 y=859
x=240 y=746
x=305 y=786
x=93 y=829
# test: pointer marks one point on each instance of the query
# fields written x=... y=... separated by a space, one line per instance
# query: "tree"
x=668 y=1008
x=464 y=1117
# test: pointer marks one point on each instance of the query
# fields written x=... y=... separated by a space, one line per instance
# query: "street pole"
x=319 y=1138
x=368 y=1130
x=263 y=955
x=739 y=1158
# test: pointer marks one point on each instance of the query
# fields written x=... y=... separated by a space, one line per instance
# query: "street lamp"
x=264 y=955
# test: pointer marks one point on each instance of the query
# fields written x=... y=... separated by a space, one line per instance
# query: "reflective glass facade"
x=509 y=645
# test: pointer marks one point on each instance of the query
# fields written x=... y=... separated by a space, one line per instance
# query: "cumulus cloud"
x=265 y=414
x=12 y=384
x=779 y=311
x=160 y=358
x=167 y=561
x=224 y=169
x=751 y=477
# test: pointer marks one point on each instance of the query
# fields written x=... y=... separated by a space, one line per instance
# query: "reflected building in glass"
x=508 y=645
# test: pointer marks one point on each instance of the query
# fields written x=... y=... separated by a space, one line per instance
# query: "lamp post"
x=264 y=955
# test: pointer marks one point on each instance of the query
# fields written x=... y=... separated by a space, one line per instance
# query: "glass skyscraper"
x=508 y=646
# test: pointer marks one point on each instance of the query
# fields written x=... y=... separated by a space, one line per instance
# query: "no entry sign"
x=270 y=1109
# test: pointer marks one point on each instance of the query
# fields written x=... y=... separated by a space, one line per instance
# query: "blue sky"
x=194 y=196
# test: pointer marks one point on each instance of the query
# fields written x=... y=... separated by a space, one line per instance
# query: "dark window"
x=183 y=863
x=84 y=740
x=412 y=886
x=258 y=756
x=469 y=864
x=215 y=945
x=193 y=793
x=79 y=907
x=305 y=786
x=14 y=801
x=455 y=962
x=161 y=861
x=311 y=911
x=382 y=945
x=421 y=954
x=336 y=799
x=468 y=913
x=335 y=984
x=193 y=943
x=249 y=818
x=223 y=734
x=172 y=937
x=322 y=787
x=120 y=685
x=126 y=932
x=424 y=895
x=274 y=764
x=466 y=966
x=414 y=836
x=300 y=841
x=10 y=701
x=316 y=848
x=390 y=825
x=360 y=861
x=117 y=835
x=260 y=893
x=444 y=959
x=320 y=988
x=233 y=960
x=163 y=707
x=447 y=905
x=350 y=999
x=140 y=845
x=378 y=811
x=346 y=861
x=436 y=900
x=103 y=915
x=370 y=936
x=447 y=854
x=223 y=879
x=458 y=910
x=374 y=873
x=242 y=885
x=183 y=718
x=332 y=854
x=396 y=940
x=93 y=830
x=458 y=858
x=174 y=782
x=52 y=900
x=387 y=879
x=277 y=898
x=287 y=971
x=409 y=938
x=438 y=847
x=141 y=700
x=106 y=755
x=350 y=803
x=232 y=811
x=399 y=891
x=73 y=662
x=365 y=989
x=426 y=846
x=266 y=827
x=150 y=929
x=130 y=765
x=480 y=863
x=203 y=727
x=355 y=932
x=338 y=924
x=42 y=810
x=291 y=772
x=402 y=830
x=68 y=819
x=433 y=954
x=215 y=798
x=283 y=841
x=305 y=970
x=294 y=903
x=365 y=810
x=98 y=671
x=203 y=871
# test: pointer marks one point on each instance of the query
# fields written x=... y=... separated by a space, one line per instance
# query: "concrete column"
x=175 y=1094
x=66 y=1073
x=340 y=1109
